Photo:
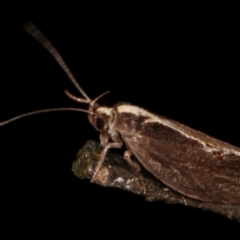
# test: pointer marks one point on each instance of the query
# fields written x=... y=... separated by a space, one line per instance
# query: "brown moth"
x=188 y=161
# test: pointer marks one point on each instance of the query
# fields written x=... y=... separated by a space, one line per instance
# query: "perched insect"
x=190 y=162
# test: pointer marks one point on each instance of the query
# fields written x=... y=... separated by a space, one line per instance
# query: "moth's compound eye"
x=99 y=123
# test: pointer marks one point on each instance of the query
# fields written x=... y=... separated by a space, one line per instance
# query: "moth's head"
x=101 y=117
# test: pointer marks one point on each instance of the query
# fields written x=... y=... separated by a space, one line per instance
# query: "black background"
x=177 y=64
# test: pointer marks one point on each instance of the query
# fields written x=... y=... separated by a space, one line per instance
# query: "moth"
x=188 y=161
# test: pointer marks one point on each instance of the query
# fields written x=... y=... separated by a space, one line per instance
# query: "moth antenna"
x=42 y=39
x=74 y=98
x=95 y=100
x=44 y=111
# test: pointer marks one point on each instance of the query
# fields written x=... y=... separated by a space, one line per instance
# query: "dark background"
x=182 y=66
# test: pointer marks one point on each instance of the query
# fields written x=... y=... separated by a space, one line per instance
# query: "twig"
x=115 y=172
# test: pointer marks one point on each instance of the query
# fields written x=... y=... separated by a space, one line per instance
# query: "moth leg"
x=127 y=156
x=106 y=146
x=136 y=168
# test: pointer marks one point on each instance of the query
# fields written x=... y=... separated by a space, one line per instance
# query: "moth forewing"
x=188 y=161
